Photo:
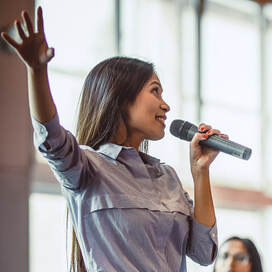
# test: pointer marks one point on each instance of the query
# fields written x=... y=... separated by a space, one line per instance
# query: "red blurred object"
x=262 y=2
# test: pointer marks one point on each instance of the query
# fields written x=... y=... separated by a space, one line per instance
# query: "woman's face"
x=147 y=114
x=233 y=257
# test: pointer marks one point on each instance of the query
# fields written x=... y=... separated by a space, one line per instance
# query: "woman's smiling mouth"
x=161 y=119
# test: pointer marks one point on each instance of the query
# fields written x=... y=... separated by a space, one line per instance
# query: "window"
x=47 y=233
x=231 y=85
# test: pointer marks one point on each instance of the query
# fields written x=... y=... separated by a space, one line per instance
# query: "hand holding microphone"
x=186 y=131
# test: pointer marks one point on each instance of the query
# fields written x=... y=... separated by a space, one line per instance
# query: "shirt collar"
x=110 y=150
x=113 y=151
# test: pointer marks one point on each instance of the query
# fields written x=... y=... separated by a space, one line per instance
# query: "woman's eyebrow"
x=155 y=82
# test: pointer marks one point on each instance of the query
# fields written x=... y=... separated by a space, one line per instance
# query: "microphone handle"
x=218 y=143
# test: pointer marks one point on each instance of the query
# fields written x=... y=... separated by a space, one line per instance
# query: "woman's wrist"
x=200 y=172
x=37 y=71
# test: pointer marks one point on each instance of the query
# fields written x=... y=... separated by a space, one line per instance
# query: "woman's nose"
x=165 y=107
x=230 y=262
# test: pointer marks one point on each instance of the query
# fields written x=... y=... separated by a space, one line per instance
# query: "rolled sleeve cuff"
x=204 y=233
x=204 y=243
x=44 y=134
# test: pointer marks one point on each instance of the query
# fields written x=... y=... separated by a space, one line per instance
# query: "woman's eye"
x=155 y=90
x=224 y=256
x=241 y=257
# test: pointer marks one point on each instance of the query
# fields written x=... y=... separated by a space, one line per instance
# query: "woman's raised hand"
x=33 y=50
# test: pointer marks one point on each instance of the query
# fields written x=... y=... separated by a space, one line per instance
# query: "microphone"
x=186 y=131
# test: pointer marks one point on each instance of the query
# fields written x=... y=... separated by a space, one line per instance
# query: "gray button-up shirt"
x=129 y=211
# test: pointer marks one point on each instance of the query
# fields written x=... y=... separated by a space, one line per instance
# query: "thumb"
x=50 y=53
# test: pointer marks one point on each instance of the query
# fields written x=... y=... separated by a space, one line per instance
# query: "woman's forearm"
x=204 y=208
x=41 y=103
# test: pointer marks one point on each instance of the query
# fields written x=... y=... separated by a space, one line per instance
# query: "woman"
x=238 y=255
x=129 y=211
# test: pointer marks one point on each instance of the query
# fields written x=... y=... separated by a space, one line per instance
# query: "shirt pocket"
x=125 y=201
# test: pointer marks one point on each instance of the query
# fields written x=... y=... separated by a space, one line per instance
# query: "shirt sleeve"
x=62 y=152
x=203 y=243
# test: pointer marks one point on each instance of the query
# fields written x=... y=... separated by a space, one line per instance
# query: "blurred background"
x=214 y=60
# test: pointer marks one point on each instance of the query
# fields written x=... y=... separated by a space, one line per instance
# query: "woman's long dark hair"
x=109 y=88
x=254 y=257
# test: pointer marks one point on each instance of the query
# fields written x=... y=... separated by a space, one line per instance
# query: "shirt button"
x=213 y=235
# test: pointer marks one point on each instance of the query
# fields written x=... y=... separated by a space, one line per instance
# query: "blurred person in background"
x=238 y=255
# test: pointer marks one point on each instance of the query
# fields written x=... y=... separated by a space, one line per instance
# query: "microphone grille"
x=175 y=127
x=247 y=153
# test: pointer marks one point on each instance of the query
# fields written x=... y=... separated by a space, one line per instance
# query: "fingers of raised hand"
x=9 y=40
x=20 y=30
x=40 y=19
x=28 y=23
